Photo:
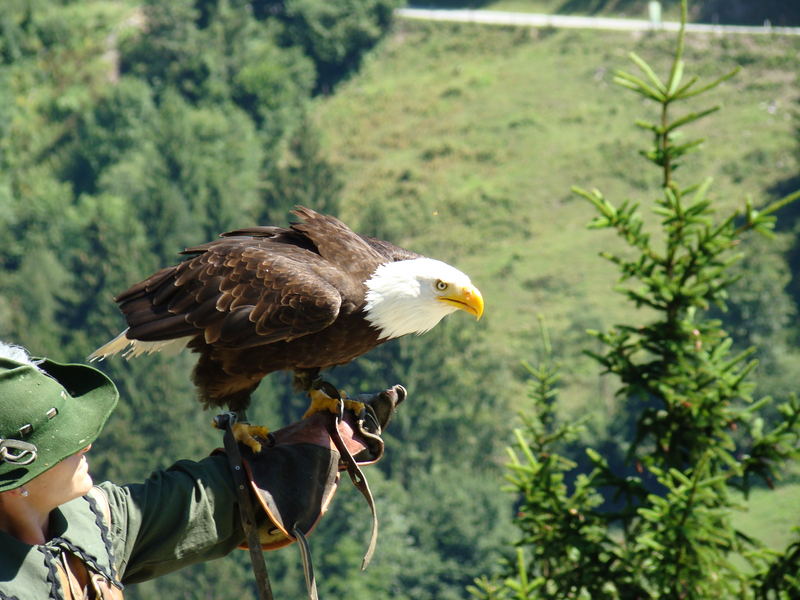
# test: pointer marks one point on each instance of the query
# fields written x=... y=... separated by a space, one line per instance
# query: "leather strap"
x=308 y=568
x=225 y=421
x=358 y=479
x=71 y=584
x=79 y=583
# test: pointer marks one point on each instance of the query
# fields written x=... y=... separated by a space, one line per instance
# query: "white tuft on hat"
x=15 y=353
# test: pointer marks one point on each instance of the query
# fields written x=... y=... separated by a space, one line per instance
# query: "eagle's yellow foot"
x=320 y=401
x=245 y=433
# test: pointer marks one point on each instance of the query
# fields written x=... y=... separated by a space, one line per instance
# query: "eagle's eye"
x=441 y=285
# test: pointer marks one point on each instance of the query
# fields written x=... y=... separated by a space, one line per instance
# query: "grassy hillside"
x=772 y=514
x=466 y=140
x=463 y=142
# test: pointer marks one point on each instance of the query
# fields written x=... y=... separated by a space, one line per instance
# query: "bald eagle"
x=303 y=298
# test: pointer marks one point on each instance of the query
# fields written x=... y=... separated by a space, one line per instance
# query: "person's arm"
x=180 y=516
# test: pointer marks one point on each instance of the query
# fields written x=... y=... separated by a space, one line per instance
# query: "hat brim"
x=89 y=400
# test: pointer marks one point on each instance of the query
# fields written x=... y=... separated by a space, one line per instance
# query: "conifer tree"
x=662 y=527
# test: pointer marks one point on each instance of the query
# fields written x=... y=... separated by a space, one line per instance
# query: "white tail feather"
x=129 y=348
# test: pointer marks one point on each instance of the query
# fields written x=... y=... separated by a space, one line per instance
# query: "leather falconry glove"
x=295 y=475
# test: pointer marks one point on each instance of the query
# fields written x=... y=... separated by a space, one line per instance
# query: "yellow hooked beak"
x=467 y=298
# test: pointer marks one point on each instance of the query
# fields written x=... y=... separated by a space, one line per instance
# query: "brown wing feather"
x=238 y=295
x=334 y=239
x=337 y=243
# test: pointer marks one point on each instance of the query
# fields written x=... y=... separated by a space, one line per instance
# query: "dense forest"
x=130 y=130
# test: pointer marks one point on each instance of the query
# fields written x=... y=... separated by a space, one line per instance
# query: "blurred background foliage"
x=129 y=130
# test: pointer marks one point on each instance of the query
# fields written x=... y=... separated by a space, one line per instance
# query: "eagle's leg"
x=325 y=396
x=218 y=389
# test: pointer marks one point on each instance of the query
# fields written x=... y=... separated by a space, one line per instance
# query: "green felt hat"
x=47 y=414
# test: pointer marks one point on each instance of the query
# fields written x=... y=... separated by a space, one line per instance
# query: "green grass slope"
x=463 y=141
x=771 y=515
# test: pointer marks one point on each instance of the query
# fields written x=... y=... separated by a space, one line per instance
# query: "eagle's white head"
x=412 y=296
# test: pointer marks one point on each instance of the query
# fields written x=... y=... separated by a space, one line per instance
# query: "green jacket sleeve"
x=180 y=516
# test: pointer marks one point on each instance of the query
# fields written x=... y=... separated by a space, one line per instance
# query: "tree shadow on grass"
x=789 y=221
x=747 y=12
x=788 y=216
x=733 y=12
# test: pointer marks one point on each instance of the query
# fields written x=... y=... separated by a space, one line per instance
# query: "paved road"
x=491 y=17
